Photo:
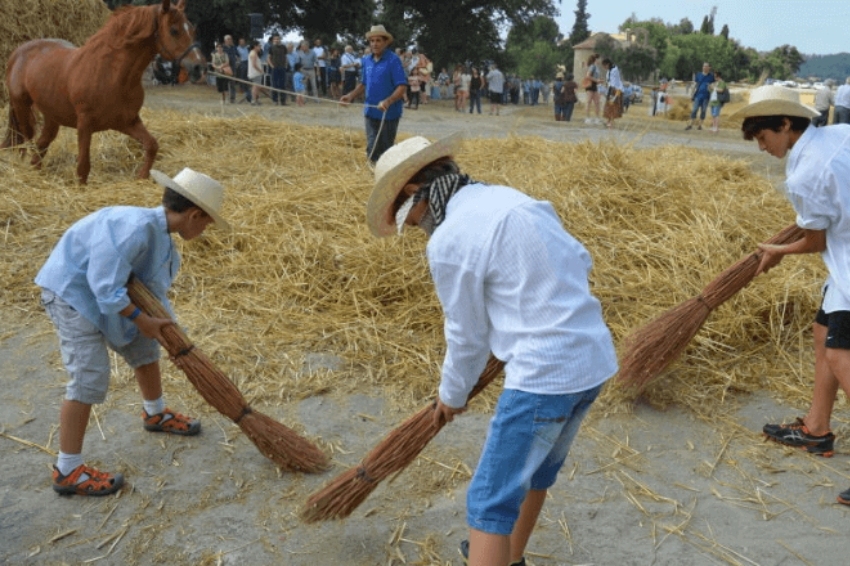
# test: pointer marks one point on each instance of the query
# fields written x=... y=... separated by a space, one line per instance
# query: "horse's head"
x=195 y=63
x=175 y=34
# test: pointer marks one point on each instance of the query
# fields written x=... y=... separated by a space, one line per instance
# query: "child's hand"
x=771 y=256
x=151 y=327
x=444 y=414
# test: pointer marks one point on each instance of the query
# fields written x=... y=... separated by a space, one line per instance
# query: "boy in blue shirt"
x=84 y=292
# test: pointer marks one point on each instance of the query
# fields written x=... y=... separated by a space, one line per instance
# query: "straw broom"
x=651 y=348
x=279 y=443
x=396 y=451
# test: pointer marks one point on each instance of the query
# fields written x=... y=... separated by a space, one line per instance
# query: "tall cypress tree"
x=580 y=30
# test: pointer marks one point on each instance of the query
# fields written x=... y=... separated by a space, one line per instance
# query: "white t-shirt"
x=320 y=54
x=818 y=185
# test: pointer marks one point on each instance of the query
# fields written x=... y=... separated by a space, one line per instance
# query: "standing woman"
x=591 y=87
x=219 y=61
x=614 y=98
x=475 y=85
x=718 y=97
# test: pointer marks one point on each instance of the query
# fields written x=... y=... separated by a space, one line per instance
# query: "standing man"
x=242 y=71
x=84 y=291
x=701 y=95
x=233 y=58
x=350 y=66
x=384 y=81
x=495 y=86
x=307 y=59
x=513 y=282
x=321 y=66
x=842 y=104
x=824 y=98
x=278 y=63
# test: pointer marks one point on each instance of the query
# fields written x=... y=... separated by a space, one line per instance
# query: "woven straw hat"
x=394 y=169
x=204 y=191
x=379 y=30
x=772 y=100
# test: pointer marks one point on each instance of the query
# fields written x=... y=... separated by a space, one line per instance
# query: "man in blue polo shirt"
x=383 y=79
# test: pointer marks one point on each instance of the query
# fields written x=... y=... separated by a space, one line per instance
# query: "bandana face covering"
x=401 y=215
x=428 y=222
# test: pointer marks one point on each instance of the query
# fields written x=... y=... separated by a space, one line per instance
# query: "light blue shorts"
x=528 y=441
x=85 y=354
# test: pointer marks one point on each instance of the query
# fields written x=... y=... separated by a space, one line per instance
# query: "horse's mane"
x=126 y=26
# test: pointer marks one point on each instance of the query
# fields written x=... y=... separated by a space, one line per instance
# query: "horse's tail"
x=14 y=135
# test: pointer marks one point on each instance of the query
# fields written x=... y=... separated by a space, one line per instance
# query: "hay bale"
x=71 y=20
x=301 y=275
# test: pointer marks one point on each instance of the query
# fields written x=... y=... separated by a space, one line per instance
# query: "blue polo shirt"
x=381 y=78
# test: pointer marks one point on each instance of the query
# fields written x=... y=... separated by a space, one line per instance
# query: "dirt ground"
x=651 y=487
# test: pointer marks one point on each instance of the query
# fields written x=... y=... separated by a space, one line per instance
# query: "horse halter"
x=160 y=47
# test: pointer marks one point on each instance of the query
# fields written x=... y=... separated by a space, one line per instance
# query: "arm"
x=813 y=241
x=397 y=94
x=358 y=90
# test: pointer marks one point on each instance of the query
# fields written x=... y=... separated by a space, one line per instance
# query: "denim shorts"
x=528 y=441
x=85 y=354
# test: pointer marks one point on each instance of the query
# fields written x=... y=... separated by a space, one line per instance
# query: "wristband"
x=135 y=314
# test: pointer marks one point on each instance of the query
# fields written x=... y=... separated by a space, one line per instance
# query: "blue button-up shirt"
x=381 y=78
x=90 y=266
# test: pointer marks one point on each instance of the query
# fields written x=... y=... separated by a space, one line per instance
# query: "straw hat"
x=394 y=169
x=559 y=75
x=379 y=30
x=204 y=191
x=772 y=100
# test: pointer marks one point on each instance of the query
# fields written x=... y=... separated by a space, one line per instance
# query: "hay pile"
x=300 y=275
x=72 y=20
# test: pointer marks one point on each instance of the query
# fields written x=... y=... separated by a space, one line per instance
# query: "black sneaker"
x=796 y=434
x=464 y=551
x=844 y=497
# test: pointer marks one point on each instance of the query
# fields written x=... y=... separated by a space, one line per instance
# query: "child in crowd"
x=415 y=82
x=298 y=85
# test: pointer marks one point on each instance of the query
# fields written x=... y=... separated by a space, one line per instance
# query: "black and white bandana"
x=439 y=191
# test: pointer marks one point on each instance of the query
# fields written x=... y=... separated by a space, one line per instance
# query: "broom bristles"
x=339 y=498
x=279 y=443
x=654 y=346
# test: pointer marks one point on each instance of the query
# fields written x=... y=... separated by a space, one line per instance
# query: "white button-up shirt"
x=512 y=281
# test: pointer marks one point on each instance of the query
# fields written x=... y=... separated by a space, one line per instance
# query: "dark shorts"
x=838 y=328
x=495 y=97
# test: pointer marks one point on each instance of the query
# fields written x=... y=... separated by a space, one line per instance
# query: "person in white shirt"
x=842 y=104
x=350 y=66
x=513 y=282
x=495 y=88
x=322 y=66
x=817 y=184
x=824 y=98
x=614 y=93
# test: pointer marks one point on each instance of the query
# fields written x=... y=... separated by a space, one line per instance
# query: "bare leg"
x=524 y=526
x=138 y=132
x=150 y=381
x=825 y=389
x=487 y=549
x=73 y=421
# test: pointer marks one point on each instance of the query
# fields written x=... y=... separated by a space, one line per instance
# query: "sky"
x=814 y=27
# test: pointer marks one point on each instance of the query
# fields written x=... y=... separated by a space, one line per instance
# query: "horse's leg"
x=84 y=134
x=48 y=134
x=138 y=132
x=21 y=124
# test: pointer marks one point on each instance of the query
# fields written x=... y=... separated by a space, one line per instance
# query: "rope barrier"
x=315 y=98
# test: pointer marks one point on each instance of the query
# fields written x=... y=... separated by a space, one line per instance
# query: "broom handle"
x=174 y=340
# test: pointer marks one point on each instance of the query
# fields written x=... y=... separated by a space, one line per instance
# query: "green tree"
x=580 y=31
x=535 y=49
x=684 y=27
x=636 y=62
x=724 y=31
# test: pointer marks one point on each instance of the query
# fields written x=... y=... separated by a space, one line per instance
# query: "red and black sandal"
x=171 y=422
x=97 y=482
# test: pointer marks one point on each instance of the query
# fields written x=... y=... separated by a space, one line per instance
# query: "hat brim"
x=774 y=108
x=372 y=34
x=379 y=215
x=167 y=181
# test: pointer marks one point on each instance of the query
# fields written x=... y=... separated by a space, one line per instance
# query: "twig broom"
x=339 y=498
x=279 y=443
x=654 y=346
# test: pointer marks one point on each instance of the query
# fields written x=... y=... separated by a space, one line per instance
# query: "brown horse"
x=95 y=87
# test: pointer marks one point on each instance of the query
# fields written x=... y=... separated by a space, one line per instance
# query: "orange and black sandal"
x=171 y=422
x=97 y=483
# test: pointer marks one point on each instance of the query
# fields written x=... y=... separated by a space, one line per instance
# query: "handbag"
x=723 y=96
x=227 y=70
x=586 y=82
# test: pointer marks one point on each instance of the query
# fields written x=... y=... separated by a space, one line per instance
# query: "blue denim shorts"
x=85 y=354
x=528 y=441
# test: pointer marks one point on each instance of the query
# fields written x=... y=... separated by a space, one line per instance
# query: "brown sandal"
x=98 y=483
x=171 y=422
